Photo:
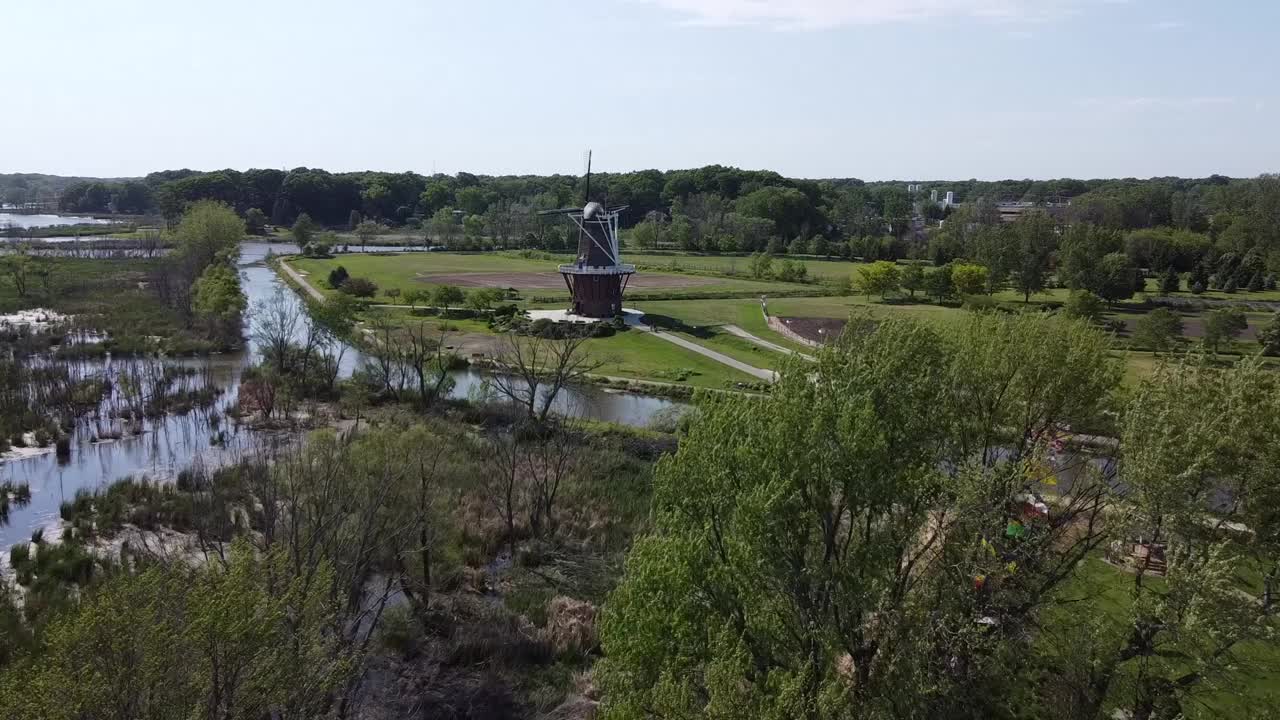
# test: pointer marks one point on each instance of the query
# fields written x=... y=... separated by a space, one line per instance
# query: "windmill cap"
x=591 y=210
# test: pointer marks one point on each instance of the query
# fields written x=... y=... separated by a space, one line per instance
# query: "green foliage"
x=1084 y=305
x=255 y=221
x=171 y=642
x=447 y=296
x=337 y=277
x=913 y=278
x=304 y=229
x=969 y=279
x=761 y=265
x=1269 y=337
x=359 y=287
x=878 y=278
x=1223 y=325
x=937 y=283
x=792 y=571
x=1158 y=330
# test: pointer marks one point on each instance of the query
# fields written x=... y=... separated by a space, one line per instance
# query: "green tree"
x=1223 y=325
x=1158 y=330
x=913 y=278
x=436 y=197
x=255 y=221
x=878 y=278
x=1170 y=281
x=338 y=276
x=1269 y=337
x=366 y=231
x=647 y=235
x=483 y=299
x=18 y=267
x=827 y=493
x=1084 y=305
x=1179 y=636
x=444 y=227
x=353 y=220
x=1036 y=238
x=304 y=228
x=473 y=200
x=969 y=279
x=761 y=265
x=473 y=228
x=938 y=283
x=447 y=296
x=218 y=302
x=1116 y=278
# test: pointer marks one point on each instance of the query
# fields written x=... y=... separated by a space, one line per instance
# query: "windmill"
x=597 y=277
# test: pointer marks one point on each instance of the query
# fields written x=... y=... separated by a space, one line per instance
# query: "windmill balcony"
x=576 y=269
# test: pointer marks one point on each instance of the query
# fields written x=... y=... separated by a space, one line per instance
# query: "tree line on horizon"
x=1224 y=231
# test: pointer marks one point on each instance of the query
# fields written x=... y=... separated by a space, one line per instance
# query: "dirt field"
x=551 y=280
x=815 y=328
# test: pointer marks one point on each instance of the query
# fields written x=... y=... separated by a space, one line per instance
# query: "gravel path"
x=298 y=278
x=735 y=330
x=766 y=375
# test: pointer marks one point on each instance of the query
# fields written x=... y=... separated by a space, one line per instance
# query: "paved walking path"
x=766 y=375
x=301 y=280
x=735 y=330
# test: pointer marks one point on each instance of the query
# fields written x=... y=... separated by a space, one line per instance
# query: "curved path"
x=766 y=375
x=735 y=330
x=302 y=281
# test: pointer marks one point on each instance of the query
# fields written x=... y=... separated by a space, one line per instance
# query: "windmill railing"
x=576 y=269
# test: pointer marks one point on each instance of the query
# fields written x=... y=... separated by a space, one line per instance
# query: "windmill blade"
x=560 y=211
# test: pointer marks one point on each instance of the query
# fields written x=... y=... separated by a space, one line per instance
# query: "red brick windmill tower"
x=597 y=277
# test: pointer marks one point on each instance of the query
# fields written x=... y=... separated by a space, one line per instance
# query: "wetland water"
x=8 y=219
x=171 y=443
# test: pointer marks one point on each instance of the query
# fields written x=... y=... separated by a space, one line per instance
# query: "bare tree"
x=276 y=322
x=425 y=355
x=502 y=484
x=536 y=369
x=548 y=460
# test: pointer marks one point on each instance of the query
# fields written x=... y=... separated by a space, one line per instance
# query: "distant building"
x=1011 y=211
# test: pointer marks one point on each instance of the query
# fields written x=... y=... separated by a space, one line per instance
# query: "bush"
x=19 y=554
x=359 y=287
x=337 y=277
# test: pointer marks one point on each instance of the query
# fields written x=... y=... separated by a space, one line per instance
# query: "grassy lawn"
x=739 y=264
x=405 y=271
x=634 y=355
x=641 y=356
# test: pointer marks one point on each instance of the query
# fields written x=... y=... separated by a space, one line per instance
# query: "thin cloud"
x=822 y=14
x=1168 y=25
x=1162 y=103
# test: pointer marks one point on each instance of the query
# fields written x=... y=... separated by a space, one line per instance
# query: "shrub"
x=19 y=554
x=337 y=277
x=359 y=287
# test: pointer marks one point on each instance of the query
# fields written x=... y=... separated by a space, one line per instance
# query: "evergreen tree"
x=1170 y=281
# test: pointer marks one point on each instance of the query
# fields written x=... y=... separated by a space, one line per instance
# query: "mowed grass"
x=640 y=356
x=406 y=272
x=822 y=269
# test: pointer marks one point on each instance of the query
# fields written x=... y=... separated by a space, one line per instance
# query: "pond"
x=38 y=221
x=172 y=443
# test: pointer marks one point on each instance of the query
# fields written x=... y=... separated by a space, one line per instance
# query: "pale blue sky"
x=875 y=89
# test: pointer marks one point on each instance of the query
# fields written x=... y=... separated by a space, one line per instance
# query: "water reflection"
x=172 y=443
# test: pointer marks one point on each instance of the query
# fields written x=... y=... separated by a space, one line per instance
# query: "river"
x=176 y=442
x=38 y=221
